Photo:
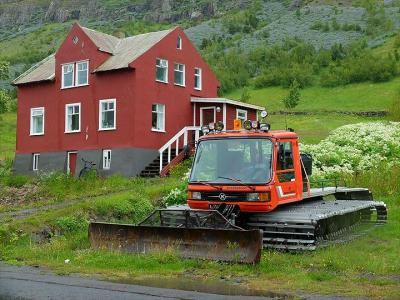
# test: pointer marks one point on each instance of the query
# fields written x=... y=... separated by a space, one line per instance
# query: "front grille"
x=229 y=196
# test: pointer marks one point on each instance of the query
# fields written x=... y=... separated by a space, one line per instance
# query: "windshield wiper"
x=238 y=181
x=207 y=184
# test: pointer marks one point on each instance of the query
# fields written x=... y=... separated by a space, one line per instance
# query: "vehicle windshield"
x=233 y=161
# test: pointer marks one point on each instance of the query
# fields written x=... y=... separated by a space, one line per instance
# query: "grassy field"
x=366 y=267
x=352 y=97
x=7 y=135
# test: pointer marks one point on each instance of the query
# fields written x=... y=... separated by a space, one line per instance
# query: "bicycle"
x=88 y=167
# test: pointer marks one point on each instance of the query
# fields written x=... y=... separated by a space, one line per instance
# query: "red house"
x=120 y=103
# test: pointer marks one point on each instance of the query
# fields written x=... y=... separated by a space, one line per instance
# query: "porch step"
x=153 y=169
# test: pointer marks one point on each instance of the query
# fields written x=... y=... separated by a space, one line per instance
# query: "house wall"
x=135 y=90
x=179 y=111
x=231 y=115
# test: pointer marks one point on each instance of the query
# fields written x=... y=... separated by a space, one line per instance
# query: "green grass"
x=352 y=97
x=366 y=267
x=314 y=128
x=7 y=135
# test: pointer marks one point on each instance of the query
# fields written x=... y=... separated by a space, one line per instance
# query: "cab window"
x=285 y=162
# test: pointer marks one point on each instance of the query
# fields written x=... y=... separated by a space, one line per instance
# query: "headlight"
x=253 y=197
x=196 y=195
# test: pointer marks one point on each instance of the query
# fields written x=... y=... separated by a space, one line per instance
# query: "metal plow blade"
x=188 y=233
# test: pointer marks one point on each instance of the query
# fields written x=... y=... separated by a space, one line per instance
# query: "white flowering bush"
x=356 y=147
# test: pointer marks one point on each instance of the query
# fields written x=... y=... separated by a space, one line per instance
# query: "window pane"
x=68 y=75
x=108 y=119
x=178 y=77
x=154 y=120
x=161 y=74
x=82 y=77
x=75 y=122
x=160 y=125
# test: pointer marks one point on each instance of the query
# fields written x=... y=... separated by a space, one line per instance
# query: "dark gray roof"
x=123 y=52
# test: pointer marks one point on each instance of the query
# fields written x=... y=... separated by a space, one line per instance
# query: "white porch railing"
x=175 y=140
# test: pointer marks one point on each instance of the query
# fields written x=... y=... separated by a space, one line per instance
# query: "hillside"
x=30 y=30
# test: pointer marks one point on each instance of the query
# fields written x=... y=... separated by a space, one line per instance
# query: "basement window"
x=161 y=70
x=73 y=117
x=158 y=117
x=179 y=74
x=107 y=114
x=197 y=79
x=37 y=121
x=35 y=161
x=106 y=159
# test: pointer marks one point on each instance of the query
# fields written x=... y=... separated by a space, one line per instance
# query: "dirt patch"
x=17 y=196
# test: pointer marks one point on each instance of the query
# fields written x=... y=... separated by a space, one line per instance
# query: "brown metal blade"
x=229 y=245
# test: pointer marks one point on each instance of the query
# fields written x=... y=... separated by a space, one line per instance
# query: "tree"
x=4 y=100
x=293 y=98
x=245 y=97
x=4 y=69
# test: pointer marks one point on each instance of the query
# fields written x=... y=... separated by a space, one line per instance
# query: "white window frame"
x=77 y=73
x=179 y=43
x=115 y=114
x=164 y=67
x=201 y=114
x=199 y=75
x=69 y=160
x=35 y=161
x=183 y=73
x=238 y=110
x=62 y=76
x=31 y=123
x=66 y=117
x=107 y=159
x=158 y=112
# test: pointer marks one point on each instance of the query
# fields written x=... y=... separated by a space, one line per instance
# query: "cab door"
x=286 y=171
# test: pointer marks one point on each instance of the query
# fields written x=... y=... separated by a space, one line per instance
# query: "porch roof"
x=226 y=101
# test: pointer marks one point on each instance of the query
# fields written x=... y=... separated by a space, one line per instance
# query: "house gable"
x=79 y=46
x=168 y=45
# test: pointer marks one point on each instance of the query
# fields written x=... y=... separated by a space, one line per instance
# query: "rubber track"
x=309 y=225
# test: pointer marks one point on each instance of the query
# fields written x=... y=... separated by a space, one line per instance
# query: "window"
x=82 y=73
x=158 y=117
x=179 y=43
x=37 y=121
x=285 y=162
x=67 y=76
x=70 y=78
x=73 y=117
x=179 y=74
x=35 y=161
x=241 y=114
x=107 y=114
x=197 y=78
x=162 y=70
x=106 y=159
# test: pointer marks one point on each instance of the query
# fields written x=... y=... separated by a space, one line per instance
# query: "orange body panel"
x=279 y=192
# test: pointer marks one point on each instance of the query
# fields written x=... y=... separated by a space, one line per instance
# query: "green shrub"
x=394 y=109
x=16 y=180
x=69 y=224
x=124 y=207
